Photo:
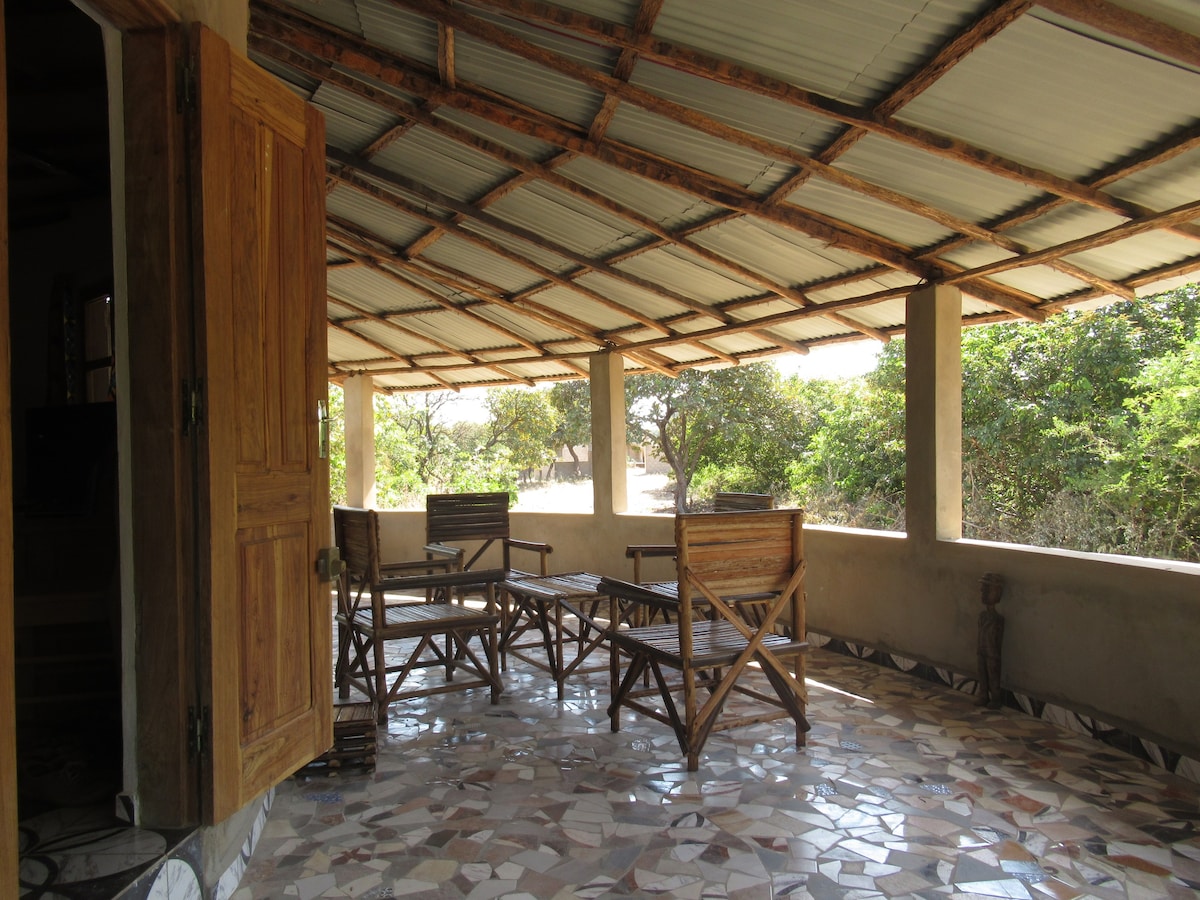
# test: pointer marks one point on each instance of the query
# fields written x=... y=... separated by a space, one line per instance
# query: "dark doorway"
x=67 y=621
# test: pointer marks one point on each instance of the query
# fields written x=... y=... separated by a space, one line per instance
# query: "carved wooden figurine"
x=991 y=634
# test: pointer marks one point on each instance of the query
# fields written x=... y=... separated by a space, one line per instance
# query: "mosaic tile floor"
x=905 y=790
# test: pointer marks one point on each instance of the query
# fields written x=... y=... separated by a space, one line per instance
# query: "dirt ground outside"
x=648 y=493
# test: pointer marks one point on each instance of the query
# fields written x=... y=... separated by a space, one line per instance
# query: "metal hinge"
x=197 y=736
x=193 y=406
x=185 y=87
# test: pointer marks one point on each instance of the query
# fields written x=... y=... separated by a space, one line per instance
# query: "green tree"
x=573 y=401
x=337 y=444
x=1037 y=400
x=524 y=423
x=1152 y=474
x=690 y=416
x=852 y=470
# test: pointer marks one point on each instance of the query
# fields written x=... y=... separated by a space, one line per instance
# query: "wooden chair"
x=482 y=518
x=723 y=501
x=427 y=629
x=724 y=559
x=451 y=519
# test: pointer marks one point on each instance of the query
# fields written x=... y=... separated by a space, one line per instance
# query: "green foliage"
x=692 y=418
x=1082 y=432
x=524 y=423
x=1048 y=412
x=573 y=402
x=851 y=470
x=337 y=445
x=1151 y=478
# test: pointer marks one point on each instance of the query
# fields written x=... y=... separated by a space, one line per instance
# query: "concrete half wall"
x=1109 y=637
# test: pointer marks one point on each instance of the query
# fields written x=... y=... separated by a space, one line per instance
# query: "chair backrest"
x=450 y=518
x=752 y=554
x=356 y=534
x=730 y=501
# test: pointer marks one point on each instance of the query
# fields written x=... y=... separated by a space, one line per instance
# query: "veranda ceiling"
x=516 y=185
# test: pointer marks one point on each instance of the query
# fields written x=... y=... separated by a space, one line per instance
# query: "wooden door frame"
x=9 y=865
x=157 y=236
x=153 y=246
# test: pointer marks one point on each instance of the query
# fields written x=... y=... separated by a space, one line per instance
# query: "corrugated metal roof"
x=514 y=186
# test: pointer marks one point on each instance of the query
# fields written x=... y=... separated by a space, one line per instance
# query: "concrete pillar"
x=610 y=492
x=359 y=392
x=933 y=404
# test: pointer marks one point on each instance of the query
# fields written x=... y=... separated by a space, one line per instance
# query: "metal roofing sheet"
x=765 y=117
x=670 y=207
x=526 y=145
x=969 y=193
x=869 y=214
x=389 y=26
x=1043 y=112
x=990 y=139
x=739 y=165
x=688 y=275
x=391 y=225
x=446 y=166
x=524 y=81
x=786 y=255
x=566 y=221
x=847 y=49
x=529 y=261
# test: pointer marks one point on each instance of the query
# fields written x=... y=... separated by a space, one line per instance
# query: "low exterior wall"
x=1111 y=638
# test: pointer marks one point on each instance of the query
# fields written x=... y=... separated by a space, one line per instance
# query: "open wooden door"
x=265 y=635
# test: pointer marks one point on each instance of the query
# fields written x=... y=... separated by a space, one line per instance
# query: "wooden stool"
x=353 y=747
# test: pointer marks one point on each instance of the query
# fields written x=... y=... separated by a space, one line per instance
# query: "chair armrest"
x=635 y=550
x=415 y=567
x=661 y=596
x=543 y=549
x=452 y=555
x=638 y=552
x=443 y=579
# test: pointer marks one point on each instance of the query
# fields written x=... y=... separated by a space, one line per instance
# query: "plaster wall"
x=1109 y=637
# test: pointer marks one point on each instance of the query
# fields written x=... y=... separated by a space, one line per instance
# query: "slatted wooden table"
x=557 y=615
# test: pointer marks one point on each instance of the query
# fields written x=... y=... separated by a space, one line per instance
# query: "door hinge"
x=185 y=87
x=197 y=736
x=193 y=406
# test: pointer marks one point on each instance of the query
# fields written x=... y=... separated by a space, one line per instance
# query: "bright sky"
x=832 y=361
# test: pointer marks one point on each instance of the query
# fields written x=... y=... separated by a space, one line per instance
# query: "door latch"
x=329 y=563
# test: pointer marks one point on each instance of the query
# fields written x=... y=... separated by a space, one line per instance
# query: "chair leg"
x=341 y=678
x=381 y=686
x=637 y=664
x=490 y=642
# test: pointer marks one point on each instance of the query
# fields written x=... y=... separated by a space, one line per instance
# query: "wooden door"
x=264 y=616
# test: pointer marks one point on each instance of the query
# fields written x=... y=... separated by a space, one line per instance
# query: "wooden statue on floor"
x=991 y=634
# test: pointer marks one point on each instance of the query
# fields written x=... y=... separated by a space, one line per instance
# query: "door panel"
x=264 y=615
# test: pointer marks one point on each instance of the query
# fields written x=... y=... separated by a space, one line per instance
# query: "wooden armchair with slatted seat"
x=723 y=561
x=406 y=608
x=723 y=501
x=453 y=519
x=481 y=518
